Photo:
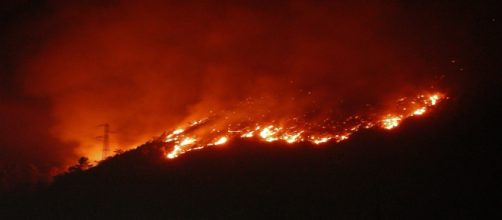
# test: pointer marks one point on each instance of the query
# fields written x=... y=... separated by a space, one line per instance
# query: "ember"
x=291 y=131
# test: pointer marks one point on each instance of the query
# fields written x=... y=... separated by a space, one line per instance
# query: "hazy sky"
x=146 y=66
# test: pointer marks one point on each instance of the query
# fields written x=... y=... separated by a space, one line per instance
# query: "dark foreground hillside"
x=436 y=167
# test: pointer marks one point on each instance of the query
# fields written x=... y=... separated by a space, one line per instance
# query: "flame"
x=221 y=141
x=292 y=131
x=179 y=147
x=390 y=122
x=187 y=141
x=248 y=134
x=420 y=111
x=320 y=140
x=269 y=133
x=434 y=99
x=178 y=131
x=291 y=138
x=174 y=153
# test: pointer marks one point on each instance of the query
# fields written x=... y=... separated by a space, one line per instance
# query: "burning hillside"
x=217 y=130
x=288 y=71
x=289 y=109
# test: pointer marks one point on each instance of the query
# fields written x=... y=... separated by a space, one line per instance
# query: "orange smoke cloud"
x=150 y=66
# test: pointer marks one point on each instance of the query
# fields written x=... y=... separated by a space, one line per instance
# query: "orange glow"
x=269 y=133
x=179 y=148
x=178 y=131
x=291 y=138
x=391 y=122
x=248 y=134
x=192 y=68
x=320 y=140
x=174 y=153
x=420 y=111
x=184 y=140
x=187 y=141
x=221 y=141
x=343 y=137
x=434 y=99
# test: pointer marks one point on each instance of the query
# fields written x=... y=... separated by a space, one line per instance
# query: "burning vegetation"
x=217 y=130
x=291 y=71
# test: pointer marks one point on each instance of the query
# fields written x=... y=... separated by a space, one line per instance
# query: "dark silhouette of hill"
x=445 y=165
x=442 y=166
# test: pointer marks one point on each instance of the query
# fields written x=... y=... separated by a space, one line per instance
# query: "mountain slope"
x=431 y=167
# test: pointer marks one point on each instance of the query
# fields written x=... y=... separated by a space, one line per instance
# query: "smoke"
x=144 y=67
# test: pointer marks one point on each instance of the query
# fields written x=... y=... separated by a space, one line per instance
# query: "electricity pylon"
x=106 y=141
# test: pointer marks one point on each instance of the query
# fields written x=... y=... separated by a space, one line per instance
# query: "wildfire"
x=248 y=134
x=187 y=141
x=291 y=138
x=320 y=140
x=419 y=111
x=178 y=131
x=221 y=141
x=434 y=99
x=269 y=133
x=180 y=147
x=292 y=131
x=390 y=122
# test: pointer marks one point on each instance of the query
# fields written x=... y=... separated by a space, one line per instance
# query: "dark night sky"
x=67 y=67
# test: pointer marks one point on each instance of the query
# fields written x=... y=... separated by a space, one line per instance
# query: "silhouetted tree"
x=83 y=164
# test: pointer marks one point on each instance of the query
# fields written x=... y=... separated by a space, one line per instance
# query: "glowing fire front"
x=390 y=122
x=199 y=134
